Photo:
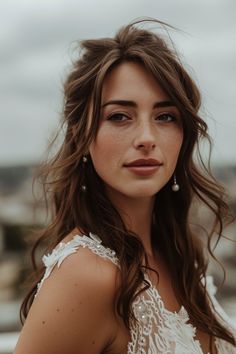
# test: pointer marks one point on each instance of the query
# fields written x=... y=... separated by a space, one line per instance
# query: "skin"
x=74 y=309
x=134 y=131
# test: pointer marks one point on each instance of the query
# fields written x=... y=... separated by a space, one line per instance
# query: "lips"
x=143 y=163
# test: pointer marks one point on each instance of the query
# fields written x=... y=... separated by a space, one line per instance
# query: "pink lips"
x=143 y=167
x=143 y=162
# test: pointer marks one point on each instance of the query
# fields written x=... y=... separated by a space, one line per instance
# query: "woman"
x=127 y=274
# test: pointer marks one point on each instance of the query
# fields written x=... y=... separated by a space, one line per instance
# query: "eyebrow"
x=126 y=103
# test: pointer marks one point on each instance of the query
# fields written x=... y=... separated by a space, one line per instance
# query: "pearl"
x=141 y=308
x=83 y=188
x=85 y=159
x=143 y=341
x=175 y=187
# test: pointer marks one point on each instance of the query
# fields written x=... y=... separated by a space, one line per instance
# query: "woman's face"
x=138 y=122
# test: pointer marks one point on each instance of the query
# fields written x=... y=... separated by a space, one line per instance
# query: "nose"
x=145 y=137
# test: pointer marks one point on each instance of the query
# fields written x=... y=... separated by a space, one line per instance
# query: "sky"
x=37 y=45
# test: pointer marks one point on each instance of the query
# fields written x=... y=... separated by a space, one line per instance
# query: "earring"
x=175 y=187
x=85 y=159
x=83 y=186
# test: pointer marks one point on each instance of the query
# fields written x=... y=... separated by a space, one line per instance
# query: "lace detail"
x=160 y=331
x=222 y=346
x=157 y=331
x=94 y=243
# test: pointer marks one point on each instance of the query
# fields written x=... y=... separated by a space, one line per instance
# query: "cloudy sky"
x=36 y=42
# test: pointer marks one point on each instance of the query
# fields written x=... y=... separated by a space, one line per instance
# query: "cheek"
x=178 y=141
x=173 y=145
x=107 y=146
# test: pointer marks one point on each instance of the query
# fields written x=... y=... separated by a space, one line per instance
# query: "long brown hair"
x=93 y=211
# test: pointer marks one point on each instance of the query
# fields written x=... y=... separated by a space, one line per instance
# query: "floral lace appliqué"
x=160 y=331
x=157 y=331
x=63 y=250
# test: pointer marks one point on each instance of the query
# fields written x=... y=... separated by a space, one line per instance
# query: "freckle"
x=72 y=310
x=76 y=284
x=58 y=310
x=93 y=342
x=80 y=302
x=43 y=322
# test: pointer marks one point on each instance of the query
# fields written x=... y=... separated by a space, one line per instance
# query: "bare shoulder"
x=74 y=310
x=83 y=270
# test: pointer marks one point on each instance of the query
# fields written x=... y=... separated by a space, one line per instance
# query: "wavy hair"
x=93 y=212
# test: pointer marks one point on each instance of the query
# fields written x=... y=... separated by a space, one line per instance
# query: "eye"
x=119 y=117
x=166 y=117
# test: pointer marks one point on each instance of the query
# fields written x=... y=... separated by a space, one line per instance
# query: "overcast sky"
x=36 y=48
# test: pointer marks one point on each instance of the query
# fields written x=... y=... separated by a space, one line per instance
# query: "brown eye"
x=166 y=117
x=119 y=117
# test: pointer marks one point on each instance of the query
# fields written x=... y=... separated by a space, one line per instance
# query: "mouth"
x=143 y=167
x=144 y=163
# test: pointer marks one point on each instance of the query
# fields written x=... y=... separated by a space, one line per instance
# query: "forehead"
x=131 y=80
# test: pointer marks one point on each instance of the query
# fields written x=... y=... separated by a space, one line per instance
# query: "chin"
x=145 y=193
x=134 y=191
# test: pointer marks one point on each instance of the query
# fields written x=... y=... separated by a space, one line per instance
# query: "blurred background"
x=37 y=40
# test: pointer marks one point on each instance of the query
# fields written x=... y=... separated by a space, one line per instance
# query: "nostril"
x=146 y=145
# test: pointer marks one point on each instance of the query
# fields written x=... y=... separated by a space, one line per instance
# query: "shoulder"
x=87 y=268
x=87 y=251
x=76 y=305
x=83 y=278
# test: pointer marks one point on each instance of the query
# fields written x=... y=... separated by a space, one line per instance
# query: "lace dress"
x=158 y=330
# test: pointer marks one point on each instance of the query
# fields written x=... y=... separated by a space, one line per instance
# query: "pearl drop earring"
x=175 y=187
x=83 y=186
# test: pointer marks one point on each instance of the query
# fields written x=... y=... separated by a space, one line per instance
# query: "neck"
x=137 y=215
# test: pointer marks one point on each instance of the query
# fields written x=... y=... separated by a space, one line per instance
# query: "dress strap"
x=63 y=250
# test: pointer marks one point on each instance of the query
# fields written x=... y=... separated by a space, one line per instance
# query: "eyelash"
x=173 y=116
x=114 y=115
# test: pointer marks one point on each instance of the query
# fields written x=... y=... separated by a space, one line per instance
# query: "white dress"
x=158 y=330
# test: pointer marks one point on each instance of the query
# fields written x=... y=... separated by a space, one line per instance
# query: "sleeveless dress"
x=158 y=330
